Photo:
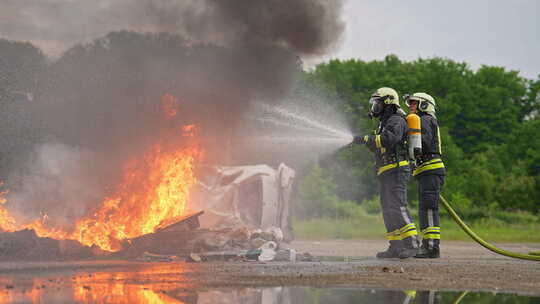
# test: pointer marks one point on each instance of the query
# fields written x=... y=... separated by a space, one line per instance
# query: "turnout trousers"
x=397 y=219
x=429 y=188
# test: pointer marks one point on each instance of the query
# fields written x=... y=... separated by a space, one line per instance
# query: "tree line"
x=488 y=117
x=489 y=123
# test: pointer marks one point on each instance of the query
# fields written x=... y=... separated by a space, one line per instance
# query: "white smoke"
x=57 y=181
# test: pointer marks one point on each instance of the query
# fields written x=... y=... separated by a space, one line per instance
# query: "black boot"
x=392 y=252
x=427 y=251
x=410 y=248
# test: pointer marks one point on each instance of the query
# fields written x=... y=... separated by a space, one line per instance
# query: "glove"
x=361 y=139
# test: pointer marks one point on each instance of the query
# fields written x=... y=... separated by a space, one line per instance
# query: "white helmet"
x=426 y=103
x=382 y=95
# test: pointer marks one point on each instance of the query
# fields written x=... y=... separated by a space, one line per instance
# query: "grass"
x=369 y=227
x=372 y=227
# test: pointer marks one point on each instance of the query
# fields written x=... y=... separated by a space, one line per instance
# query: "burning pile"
x=93 y=159
x=154 y=189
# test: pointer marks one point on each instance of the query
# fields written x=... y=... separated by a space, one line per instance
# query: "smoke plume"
x=98 y=103
x=310 y=27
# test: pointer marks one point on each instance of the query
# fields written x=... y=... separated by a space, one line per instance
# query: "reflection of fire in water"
x=96 y=288
x=122 y=287
x=120 y=293
x=155 y=188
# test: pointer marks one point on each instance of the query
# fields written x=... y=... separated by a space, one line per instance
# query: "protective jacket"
x=389 y=142
x=430 y=161
x=389 y=146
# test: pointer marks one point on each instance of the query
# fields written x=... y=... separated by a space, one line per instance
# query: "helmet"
x=426 y=103
x=383 y=96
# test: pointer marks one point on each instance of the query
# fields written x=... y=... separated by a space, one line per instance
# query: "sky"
x=492 y=32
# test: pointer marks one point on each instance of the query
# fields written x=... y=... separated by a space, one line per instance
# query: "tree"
x=487 y=118
x=21 y=65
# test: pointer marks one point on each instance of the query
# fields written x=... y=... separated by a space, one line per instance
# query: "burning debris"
x=242 y=207
x=26 y=245
x=152 y=192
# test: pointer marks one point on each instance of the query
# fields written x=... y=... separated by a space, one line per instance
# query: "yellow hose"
x=481 y=241
x=460 y=297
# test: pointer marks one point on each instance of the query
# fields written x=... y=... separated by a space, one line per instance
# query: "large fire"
x=154 y=189
x=145 y=199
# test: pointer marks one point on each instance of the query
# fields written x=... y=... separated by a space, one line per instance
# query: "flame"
x=155 y=188
x=145 y=199
x=169 y=105
x=188 y=130
x=3 y=194
x=7 y=221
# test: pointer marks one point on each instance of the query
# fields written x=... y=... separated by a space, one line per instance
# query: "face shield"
x=410 y=99
x=377 y=106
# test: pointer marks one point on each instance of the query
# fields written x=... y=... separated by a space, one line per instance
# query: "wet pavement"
x=120 y=283
x=346 y=279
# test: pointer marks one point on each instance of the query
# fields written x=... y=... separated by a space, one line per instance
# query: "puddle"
x=164 y=293
x=168 y=285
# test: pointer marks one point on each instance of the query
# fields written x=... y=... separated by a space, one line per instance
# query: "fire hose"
x=474 y=236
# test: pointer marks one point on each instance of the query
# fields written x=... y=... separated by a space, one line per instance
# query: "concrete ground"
x=463 y=266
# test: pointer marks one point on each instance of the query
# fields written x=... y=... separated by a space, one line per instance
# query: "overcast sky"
x=493 y=32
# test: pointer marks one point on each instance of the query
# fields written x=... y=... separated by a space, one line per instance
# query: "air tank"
x=414 y=140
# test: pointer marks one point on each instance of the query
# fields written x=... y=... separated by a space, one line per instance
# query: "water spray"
x=299 y=118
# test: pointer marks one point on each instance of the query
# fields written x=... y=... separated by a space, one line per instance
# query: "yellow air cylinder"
x=414 y=135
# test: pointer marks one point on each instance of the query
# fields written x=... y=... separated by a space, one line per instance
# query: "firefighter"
x=392 y=168
x=429 y=172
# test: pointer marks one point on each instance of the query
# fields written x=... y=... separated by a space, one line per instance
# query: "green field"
x=372 y=227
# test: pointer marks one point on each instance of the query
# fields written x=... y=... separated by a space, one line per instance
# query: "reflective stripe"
x=393 y=236
x=432 y=161
x=407 y=227
x=410 y=293
x=405 y=215
x=431 y=243
x=408 y=230
x=378 y=141
x=439 y=138
x=408 y=234
x=432 y=229
x=402 y=233
x=432 y=236
x=429 y=165
x=382 y=169
x=431 y=233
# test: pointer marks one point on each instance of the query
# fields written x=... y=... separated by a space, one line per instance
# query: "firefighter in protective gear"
x=392 y=168
x=429 y=172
